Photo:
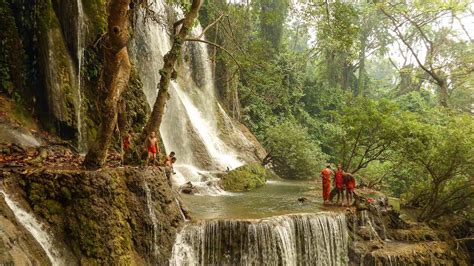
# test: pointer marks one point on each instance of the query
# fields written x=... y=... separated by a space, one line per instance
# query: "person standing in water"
x=152 y=144
x=326 y=180
x=339 y=182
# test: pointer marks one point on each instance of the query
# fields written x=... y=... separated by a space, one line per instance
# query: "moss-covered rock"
x=58 y=72
x=245 y=178
x=124 y=216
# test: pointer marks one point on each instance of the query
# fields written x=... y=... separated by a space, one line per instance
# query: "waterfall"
x=81 y=144
x=35 y=229
x=189 y=126
x=151 y=211
x=302 y=239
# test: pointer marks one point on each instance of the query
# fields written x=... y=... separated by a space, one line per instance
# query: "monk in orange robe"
x=326 y=178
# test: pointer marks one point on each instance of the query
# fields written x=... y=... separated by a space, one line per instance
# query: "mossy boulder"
x=245 y=178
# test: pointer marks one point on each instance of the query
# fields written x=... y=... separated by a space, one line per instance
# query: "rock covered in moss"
x=245 y=178
x=118 y=216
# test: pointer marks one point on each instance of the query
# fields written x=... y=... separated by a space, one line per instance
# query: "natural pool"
x=275 y=198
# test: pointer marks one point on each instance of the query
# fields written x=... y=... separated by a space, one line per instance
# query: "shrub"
x=294 y=154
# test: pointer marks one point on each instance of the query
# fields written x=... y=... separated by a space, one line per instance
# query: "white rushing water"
x=35 y=229
x=151 y=211
x=190 y=123
x=303 y=239
x=81 y=28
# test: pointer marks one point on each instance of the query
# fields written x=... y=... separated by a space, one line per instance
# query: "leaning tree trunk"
x=114 y=79
x=168 y=71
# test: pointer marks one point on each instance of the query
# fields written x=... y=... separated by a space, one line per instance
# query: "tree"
x=168 y=71
x=414 y=26
x=442 y=148
x=293 y=153
x=272 y=18
x=114 y=79
x=373 y=37
x=368 y=130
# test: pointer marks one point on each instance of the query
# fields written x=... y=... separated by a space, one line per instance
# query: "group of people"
x=152 y=148
x=343 y=181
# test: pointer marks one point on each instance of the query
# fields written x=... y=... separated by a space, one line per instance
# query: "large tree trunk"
x=167 y=71
x=443 y=93
x=114 y=79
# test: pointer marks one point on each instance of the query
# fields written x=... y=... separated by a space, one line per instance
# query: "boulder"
x=245 y=178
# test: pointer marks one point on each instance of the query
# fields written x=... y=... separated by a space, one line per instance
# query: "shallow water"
x=275 y=198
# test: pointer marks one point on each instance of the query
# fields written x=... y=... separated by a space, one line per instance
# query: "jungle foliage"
x=384 y=88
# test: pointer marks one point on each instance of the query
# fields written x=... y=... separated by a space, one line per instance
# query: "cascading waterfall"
x=300 y=239
x=151 y=211
x=189 y=124
x=35 y=229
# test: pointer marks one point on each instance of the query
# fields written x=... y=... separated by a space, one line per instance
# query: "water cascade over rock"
x=302 y=239
x=151 y=210
x=194 y=124
x=35 y=229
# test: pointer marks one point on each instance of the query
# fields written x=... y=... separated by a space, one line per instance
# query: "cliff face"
x=112 y=216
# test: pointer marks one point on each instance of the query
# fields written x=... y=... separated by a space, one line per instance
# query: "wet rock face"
x=17 y=136
x=17 y=246
x=58 y=73
x=380 y=237
x=112 y=216
x=188 y=188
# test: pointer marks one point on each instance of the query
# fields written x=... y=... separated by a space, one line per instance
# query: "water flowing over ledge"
x=300 y=239
x=35 y=229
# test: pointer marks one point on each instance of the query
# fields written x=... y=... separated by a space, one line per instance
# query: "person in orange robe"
x=339 y=182
x=326 y=178
x=350 y=183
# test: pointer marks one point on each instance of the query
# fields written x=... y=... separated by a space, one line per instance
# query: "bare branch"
x=218 y=46
x=209 y=26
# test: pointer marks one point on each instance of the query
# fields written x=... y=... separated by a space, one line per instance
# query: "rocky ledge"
x=125 y=216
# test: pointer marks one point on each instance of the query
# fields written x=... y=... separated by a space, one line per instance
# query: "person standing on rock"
x=350 y=184
x=169 y=171
x=326 y=179
x=127 y=140
x=152 y=146
x=339 y=183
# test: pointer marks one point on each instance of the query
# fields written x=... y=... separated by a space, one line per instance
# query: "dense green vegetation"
x=384 y=88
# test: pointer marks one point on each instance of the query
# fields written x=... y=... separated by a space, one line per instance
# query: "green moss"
x=66 y=194
x=97 y=16
x=53 y=207
x=245 y=178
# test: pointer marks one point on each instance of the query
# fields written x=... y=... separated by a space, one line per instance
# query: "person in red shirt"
x=127 y=140
x=326 y=178
x=350 y=183
x=339 y=182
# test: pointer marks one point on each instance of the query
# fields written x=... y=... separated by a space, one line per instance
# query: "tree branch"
x=209 y=26
x=218 y=46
